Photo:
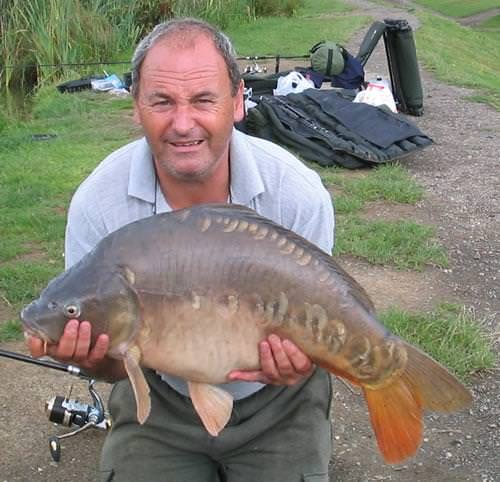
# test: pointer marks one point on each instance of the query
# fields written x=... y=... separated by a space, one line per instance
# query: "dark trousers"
x=279 y=434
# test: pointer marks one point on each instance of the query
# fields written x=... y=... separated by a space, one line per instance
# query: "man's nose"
x=183 y=119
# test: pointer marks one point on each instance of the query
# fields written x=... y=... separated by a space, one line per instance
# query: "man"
x=188 y=95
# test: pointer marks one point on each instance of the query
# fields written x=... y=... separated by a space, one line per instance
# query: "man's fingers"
x=36 y=346
x=281 y=361
x=285 y=366
x=248 y=376
x=65 y=348
x=98 y=352
x=300 y=361
x=268 y=362
x=82 y=342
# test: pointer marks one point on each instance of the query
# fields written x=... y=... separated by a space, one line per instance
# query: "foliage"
x=42 y=32
x=451 y=334
x=10 y=330
x=53 y=33
x=324 y=7
x=266 y=8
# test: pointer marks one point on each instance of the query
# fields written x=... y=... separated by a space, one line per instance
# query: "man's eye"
x=205 y=101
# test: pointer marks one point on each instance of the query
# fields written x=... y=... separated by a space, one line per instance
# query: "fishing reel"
x=65 y=410
x=73 y=413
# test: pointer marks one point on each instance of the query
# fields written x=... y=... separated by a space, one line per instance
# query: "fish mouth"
x=37 y=333
x=31 y=327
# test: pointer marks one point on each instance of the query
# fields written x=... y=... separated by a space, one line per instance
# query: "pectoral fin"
x=213 y=405
x=138 y=382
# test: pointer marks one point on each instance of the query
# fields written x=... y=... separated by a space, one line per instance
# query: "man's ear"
x=239 y=103
x=137 y=117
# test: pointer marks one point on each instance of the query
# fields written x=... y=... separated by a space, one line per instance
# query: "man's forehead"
x=182 y=41
x=193 y=62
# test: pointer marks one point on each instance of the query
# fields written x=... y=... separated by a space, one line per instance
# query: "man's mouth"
x=186 y=143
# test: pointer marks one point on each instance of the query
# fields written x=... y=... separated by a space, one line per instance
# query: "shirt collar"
x=142 y=178
x=246 y=181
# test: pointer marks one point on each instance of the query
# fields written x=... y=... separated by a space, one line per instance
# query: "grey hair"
x=186 y=25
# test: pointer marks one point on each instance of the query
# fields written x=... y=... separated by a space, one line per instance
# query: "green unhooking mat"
x=325 y=126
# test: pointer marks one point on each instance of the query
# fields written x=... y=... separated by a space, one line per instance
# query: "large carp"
x=193 y=292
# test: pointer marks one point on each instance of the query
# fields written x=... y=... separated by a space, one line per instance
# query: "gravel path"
x=460 y=173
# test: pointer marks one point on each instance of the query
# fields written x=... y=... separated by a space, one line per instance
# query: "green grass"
x=491 y=23
x=266 y=36
x=324 y=7
x=461 y=56
x=450 y=334
x=459 y=8
x=403 y=244
x=10 y=330
x=389 y=182
x=38 y=178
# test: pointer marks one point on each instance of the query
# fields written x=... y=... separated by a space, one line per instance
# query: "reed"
x=56 y=32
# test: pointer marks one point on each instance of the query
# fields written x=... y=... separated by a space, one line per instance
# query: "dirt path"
x=460 y=174
x=479 y=18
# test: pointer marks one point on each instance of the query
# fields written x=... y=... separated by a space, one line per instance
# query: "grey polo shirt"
x=264 y=177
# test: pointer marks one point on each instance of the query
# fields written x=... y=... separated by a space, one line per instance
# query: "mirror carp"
x=192 y=292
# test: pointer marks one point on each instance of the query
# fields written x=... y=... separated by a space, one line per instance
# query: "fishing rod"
x=71 y=369
x=67 y=411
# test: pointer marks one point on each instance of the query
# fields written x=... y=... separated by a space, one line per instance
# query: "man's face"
x=186 y=108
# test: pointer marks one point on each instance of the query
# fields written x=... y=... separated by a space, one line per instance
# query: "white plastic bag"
x=108 y=83
x=294 y=83
x=377 y=94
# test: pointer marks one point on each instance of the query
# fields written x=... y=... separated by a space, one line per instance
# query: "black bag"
x=353 y=75
x=325 y=126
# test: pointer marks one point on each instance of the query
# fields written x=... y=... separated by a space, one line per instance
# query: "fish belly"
x=202 y=339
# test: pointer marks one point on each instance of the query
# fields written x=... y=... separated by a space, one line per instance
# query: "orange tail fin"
x=396 y=417
x=396 y=409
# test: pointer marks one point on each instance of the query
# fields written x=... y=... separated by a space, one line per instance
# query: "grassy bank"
x=459 y=8
x=461 y=56
x=39 y=176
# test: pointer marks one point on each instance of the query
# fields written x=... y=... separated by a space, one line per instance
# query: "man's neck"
x=181 y=194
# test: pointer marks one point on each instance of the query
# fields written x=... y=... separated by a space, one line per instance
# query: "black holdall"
x=325 y=126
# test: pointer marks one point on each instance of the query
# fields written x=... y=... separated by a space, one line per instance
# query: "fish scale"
x=192 y=293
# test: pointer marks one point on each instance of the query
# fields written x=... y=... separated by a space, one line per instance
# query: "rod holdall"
x=403 y=66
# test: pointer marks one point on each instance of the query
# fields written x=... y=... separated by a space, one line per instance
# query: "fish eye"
x=72 y=311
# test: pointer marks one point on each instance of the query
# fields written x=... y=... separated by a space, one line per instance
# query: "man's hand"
x=282 y=363
x=74 y=348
